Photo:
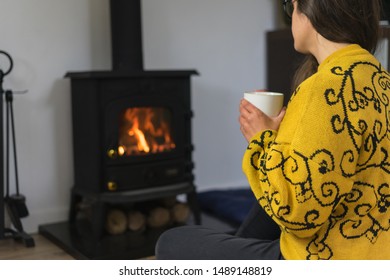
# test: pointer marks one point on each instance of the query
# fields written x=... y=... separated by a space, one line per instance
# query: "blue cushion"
x=230 y=205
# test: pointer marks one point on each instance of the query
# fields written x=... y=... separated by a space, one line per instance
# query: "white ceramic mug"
x=269 y=102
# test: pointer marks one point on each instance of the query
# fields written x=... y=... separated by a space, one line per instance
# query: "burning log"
x=145 y=130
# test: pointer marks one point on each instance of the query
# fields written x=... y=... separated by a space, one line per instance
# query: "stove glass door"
x=145 y=130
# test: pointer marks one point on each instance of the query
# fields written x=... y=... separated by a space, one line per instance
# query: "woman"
x=321 y=169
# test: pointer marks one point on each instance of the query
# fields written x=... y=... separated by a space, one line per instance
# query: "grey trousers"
x=256 y=239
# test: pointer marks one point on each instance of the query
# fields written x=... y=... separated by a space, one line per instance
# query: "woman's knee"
x=178 y=243
x=165 y=248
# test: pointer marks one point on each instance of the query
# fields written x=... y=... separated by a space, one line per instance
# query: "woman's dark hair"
x=341 y=21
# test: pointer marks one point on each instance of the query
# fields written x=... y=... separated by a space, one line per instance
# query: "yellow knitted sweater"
x=324 y=176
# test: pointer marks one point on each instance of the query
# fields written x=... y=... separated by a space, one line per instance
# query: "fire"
x=145 y=130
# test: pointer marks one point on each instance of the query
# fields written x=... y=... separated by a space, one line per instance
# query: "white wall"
x=222 y=39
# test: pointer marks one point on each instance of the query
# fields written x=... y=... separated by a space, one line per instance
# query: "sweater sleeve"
x=298 y=182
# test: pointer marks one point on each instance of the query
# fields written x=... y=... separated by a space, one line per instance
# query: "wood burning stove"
x=131 y=131
x=131 y=127
x=131 y=136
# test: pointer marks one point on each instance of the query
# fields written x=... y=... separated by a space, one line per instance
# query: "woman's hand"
x=253 y=120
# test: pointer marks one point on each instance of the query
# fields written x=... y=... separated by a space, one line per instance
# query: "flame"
x=145 y=130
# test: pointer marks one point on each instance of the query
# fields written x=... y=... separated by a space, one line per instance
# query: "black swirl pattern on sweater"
x=363 y=211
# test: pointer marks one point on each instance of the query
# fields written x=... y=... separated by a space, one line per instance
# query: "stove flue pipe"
x=126 y=35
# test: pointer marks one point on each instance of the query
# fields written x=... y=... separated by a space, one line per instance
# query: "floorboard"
x=46 y=249
x=43 y=250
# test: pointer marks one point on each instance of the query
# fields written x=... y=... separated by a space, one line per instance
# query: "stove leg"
x=194 y=205
x=74 y=202
x=98 y=218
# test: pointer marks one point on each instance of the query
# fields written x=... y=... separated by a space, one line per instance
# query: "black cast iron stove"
x=131 y=127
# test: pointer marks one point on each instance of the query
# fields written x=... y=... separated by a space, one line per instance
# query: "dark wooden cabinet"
x=283 y=60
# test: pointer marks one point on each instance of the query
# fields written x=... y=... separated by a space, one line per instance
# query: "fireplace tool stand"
x=16 y=203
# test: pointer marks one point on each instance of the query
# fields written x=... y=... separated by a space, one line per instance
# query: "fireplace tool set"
x=14 y=203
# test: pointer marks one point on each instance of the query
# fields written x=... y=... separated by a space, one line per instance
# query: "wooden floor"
x=43 y=250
